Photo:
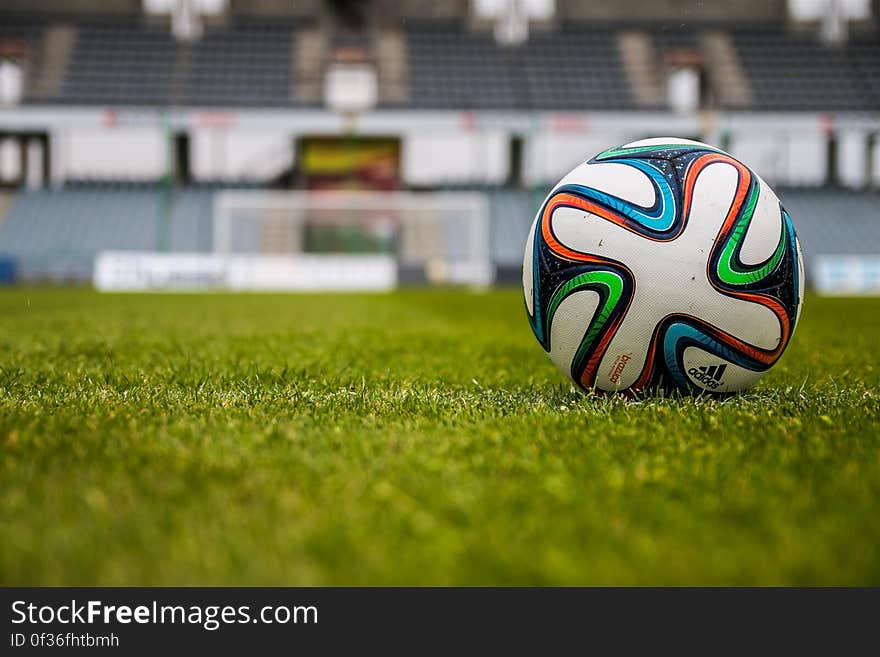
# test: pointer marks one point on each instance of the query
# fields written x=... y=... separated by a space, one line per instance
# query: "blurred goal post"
x=434 y=237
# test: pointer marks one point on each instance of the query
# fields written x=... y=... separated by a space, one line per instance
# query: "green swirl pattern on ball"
x=610 y=287
x=729 y=270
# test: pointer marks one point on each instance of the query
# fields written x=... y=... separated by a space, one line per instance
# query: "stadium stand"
x=834 y=222
x=246 y=65
x=120 y=63
x=55 y=234
x=24 y=28
x=249 y=62
x=124 y=62
x=796 y=71
x=451 y=67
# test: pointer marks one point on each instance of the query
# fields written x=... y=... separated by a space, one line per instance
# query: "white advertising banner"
x=137 y=271
x=847 y=275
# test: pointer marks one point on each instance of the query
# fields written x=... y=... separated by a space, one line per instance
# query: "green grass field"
x=421 y=437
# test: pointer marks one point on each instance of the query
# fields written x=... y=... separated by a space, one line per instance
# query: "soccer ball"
x=663 y=263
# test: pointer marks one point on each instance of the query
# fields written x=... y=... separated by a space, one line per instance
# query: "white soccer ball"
x=663 y=263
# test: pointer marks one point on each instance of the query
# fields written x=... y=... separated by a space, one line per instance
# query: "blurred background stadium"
x=316 y=144
x=420 y=436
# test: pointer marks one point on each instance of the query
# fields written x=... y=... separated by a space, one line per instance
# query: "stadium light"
x=11 y=82
x=350 y=87
x=512 y=17
x=186 y=15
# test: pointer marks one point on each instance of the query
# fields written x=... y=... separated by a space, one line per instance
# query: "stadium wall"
x=439 y=148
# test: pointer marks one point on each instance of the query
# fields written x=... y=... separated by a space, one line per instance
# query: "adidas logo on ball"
x=709 y=376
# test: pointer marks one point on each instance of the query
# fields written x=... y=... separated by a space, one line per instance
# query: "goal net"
x=432 y=237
